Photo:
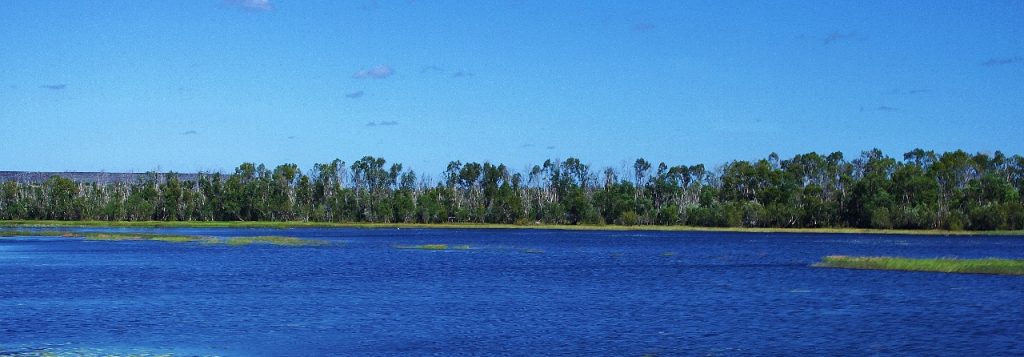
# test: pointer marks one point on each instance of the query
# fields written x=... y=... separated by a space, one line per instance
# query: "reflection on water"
x=520 y=292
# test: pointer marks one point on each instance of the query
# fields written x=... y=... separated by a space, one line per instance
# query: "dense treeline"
x=924 y=190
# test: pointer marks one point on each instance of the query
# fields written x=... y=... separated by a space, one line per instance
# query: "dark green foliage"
x=926 y=190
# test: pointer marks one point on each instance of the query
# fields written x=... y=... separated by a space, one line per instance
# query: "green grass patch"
x=275 y=240
x=434 y=247
x=177 y=239
x=21 y=233
x=944 y=265
x=114 y=237
x=169 y=238
x=135 y=236
x=424 y=247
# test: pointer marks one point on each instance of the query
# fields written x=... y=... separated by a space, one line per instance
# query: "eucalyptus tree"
x=952 y=190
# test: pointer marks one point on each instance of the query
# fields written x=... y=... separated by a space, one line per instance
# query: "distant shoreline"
x=285 y=225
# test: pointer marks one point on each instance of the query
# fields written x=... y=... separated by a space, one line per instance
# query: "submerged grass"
x=944 y=265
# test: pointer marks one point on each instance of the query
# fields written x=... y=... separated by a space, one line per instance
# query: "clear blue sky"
x=128 y=85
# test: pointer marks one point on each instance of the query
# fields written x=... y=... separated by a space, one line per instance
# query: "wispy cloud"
x=431 y=68
x=190 y=132
x=251 y=5
x=354 y=95
x=461 y=74
x=838 y=36
x=644 y=27
x=54 y=86
x=377 y=72
x=1003 y=61
x=382 y=123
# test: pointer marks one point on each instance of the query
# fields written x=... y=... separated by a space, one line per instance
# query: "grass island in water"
x=943 y=265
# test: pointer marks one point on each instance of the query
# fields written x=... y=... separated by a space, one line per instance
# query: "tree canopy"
x=925 y=190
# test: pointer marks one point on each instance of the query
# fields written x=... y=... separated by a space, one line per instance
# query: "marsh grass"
x=275 y=240
x=944 y=265
x=22 y=233
x=434 y=247
x=168 y=238
x=138 y=236
x=424 y=247
x=532 y=251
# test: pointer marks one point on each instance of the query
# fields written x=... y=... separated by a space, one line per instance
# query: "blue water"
x=515 y=292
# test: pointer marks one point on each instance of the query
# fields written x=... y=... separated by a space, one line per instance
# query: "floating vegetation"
x=424 y=247
x=434 y=247
x=179 y=239
x=18 y=233
x=169 y=238
x=532 y=251
x=276 y=240
x=144 y=237
x=668 y=254
x=943 y=265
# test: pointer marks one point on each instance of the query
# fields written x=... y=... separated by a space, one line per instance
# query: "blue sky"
x=119 y=85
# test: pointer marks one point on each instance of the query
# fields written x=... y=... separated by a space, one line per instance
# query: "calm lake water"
x=514 y=292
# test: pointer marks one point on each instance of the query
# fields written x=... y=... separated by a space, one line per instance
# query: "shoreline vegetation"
x=359 y=225
x=923 y=190
x=941 y=265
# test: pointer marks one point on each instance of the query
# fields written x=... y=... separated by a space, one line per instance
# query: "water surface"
x=513 y=292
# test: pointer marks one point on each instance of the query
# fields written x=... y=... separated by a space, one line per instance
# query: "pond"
x=506 y=292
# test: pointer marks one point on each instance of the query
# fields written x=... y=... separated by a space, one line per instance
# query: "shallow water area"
x=518 y=292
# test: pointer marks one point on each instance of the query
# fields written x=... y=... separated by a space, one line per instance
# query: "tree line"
x=925 y=190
